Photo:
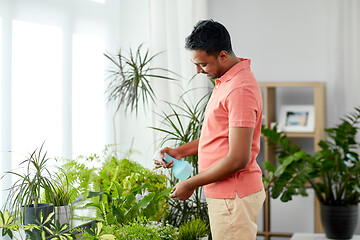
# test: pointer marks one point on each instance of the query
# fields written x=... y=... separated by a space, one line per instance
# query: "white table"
x=315 y=236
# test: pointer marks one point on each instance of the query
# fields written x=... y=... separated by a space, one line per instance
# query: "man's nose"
x=199 y=69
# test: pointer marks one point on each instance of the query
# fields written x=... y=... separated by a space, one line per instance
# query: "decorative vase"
x=339 y=222
x=62 y=214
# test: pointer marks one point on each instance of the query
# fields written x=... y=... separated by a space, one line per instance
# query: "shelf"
x=300 y=134
x=269 y=100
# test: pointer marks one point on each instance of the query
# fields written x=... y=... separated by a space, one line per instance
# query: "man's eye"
x=203 y=65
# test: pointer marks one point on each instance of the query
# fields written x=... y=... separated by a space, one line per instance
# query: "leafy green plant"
x=30 y=186
x=193 y=230
x=8 y=224
x=96 y=233
x=118 y=208
x=80 y=175
x=61 y=194
x=166 y=231
x=138 y=229
x=113 y=175
x=130 y=79
x=333 y=172
x=181 y=126
x=142 y=228
x=47 y=229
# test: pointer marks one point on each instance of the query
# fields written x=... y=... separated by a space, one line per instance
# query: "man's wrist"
x=192 y=182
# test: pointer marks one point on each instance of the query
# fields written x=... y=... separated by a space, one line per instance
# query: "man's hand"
x=174 y=152
x=182 y=190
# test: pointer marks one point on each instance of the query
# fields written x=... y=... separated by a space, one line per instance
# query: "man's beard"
x=211 y=76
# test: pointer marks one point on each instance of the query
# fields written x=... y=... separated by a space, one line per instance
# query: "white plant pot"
x=62 y=214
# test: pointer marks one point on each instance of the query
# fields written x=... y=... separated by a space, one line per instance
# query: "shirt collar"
x=243 y=64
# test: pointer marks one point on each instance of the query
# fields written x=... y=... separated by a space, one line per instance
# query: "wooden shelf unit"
x=269 y=102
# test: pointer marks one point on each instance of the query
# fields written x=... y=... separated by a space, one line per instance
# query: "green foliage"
x=32 y=184
x=183 y=125
x=138 y=229
x=142 y=228
x=8 y=224
x=60 y=196
x=130 y=79
x=47 y=229
x=116 y=180
x=119 y=208
x=80 y=175
x=333 y=172
x=167 y=231
x=193 y=230
x=96 y=233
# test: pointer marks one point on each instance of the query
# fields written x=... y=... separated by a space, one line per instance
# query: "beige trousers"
x=235 y=219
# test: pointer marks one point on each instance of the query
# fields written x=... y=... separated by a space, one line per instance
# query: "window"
x=88 y=95
x=36 y=89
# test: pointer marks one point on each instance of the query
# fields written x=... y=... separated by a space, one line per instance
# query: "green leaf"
x=269 y=166
x=107 y=237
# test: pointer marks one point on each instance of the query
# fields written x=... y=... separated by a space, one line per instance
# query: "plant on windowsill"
x=333 y=173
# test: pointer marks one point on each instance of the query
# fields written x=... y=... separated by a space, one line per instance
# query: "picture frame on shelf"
x=297 y=118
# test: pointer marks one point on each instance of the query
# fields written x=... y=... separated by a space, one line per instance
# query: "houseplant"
x=333 y=172
x=129 y=80
x=181 y=126
x=33 y=179
x=61 y=200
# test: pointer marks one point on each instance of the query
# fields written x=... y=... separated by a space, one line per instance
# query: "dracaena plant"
x=180 y=126
x=129 y=81
x=333 y=172
x=34 y=178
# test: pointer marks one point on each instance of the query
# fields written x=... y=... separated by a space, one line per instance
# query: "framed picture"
x=297 y=118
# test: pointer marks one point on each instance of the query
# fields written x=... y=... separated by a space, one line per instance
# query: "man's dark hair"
x=209 y=36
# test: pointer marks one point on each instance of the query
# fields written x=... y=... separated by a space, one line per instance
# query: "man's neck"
x=233 y=60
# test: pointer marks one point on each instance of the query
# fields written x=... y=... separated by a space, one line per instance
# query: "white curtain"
x=170 y=23
x=343 y=94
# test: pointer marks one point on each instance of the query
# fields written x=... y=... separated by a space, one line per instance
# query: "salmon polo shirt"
x=235 y=102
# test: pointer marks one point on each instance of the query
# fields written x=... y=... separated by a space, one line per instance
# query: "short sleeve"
x=242 y=107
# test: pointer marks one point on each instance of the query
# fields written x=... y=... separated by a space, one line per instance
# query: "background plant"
x=35 y=177
x=181 y=126
x=48 y=229
x=115 y=180
x=95 y=232
x=8 y=224
x=193 y=230
x=333 y=172
x=117 y=208
x=130 y=79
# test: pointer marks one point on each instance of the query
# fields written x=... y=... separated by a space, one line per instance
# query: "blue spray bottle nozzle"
x=182 y=169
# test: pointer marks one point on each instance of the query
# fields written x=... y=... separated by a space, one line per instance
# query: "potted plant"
x=33 y=179
x=61 y=200
x=333 y=172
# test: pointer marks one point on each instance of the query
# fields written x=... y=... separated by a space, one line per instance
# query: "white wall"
x=286 y=40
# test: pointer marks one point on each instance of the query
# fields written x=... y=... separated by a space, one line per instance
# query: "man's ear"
x=223 y=56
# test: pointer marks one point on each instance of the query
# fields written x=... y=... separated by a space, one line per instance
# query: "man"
x=230 y=137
